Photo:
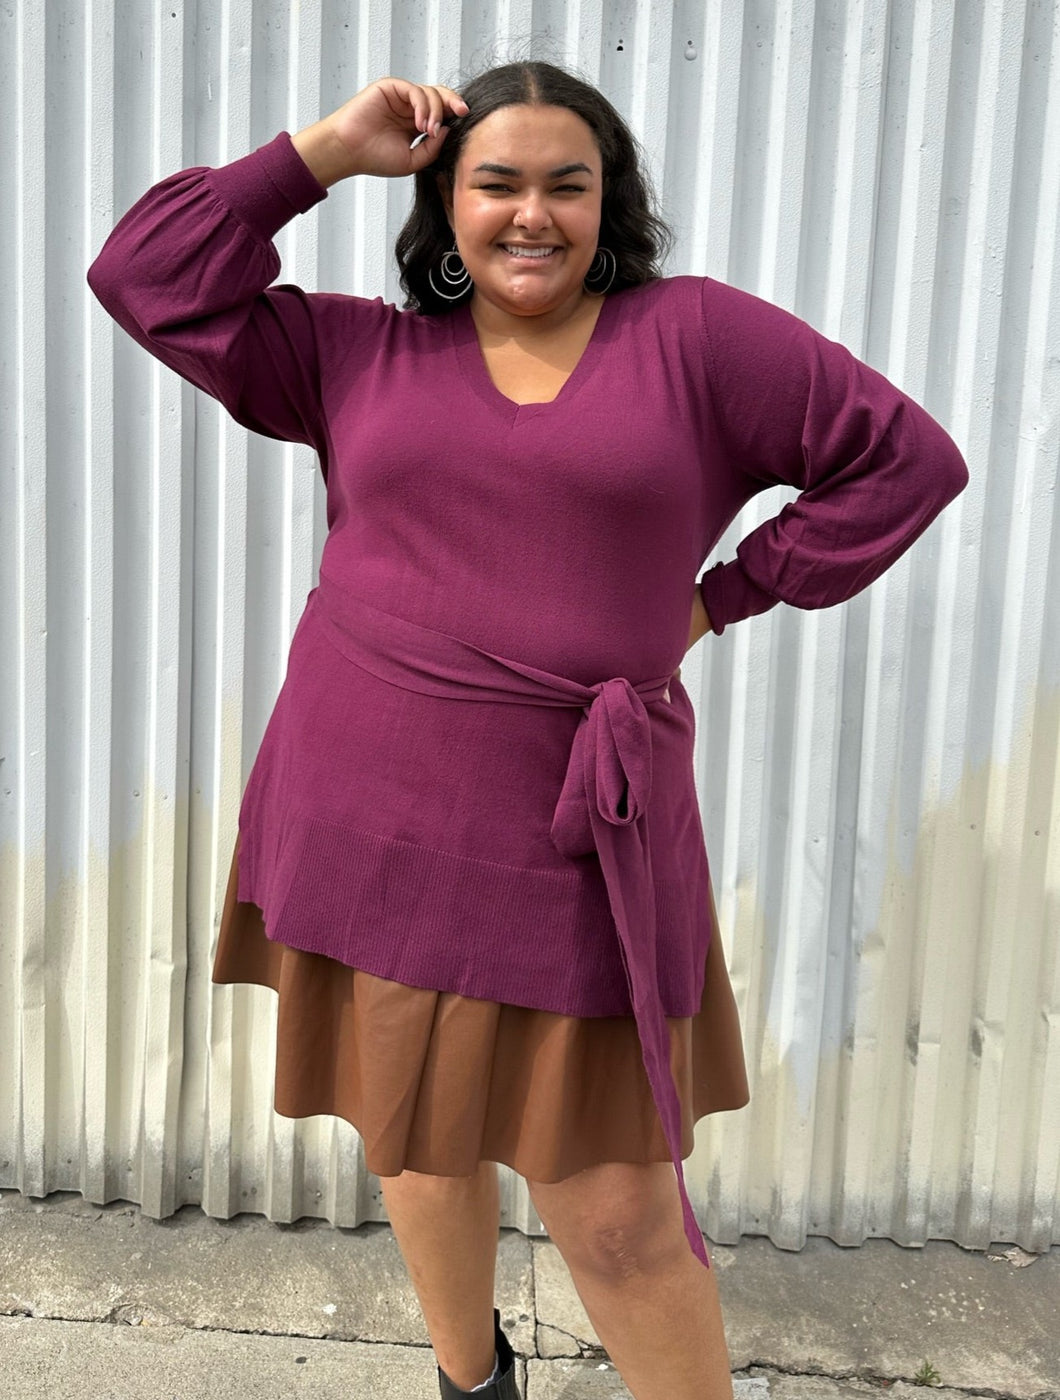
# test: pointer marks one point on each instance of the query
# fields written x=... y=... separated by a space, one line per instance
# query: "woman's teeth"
x=527 y=252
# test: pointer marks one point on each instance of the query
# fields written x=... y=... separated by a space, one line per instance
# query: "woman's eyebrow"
x=488 y=168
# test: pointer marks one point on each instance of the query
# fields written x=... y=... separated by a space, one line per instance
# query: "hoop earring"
x=602 y=272
x=454 y=274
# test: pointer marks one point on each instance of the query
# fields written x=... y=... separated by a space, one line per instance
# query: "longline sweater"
x=478 y=774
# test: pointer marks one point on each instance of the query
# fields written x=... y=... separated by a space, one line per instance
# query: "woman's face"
x=525 y=208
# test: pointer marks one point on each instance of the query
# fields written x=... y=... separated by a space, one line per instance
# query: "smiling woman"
x=539 y=196
x=526 y=230
x=527 y=97
x=470 y=857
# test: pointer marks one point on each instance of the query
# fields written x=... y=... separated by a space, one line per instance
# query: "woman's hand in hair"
x=371 y=133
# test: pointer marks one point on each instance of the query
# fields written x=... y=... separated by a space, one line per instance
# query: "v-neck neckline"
x=473 y=364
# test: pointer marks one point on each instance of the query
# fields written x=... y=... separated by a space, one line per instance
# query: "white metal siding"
x=880 y=782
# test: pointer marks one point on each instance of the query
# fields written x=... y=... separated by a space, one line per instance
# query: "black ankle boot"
x=504 y=1387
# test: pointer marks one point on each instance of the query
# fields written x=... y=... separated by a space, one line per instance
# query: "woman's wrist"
x=328 y=158
x=732 y=595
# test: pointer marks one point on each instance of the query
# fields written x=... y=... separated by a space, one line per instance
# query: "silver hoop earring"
x=454 y=274
x=602 y=272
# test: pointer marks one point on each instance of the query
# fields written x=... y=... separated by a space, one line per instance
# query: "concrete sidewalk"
x=101 y=1302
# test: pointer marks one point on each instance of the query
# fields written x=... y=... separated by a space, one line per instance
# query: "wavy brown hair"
x=629 y=223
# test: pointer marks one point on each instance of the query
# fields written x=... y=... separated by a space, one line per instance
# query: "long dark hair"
x=629 y=224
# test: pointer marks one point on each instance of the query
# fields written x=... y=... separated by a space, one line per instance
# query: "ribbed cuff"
x=268 y=187
x=730 y=596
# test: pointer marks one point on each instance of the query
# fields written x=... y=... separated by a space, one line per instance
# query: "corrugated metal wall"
x=879 y=782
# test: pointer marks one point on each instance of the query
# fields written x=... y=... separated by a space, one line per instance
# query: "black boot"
x=504 y=1387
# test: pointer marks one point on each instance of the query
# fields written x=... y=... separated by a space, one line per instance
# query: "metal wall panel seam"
x=784 y=158
x=929 y=41
x=881 y=889
x=441 y=42
x=178 y=142
x=980 y=142
x=68 y=508
x=36 y=1018
x=701 y=152
x=716 y=1172
x=406 y=56
x=176 y=147
x=864 y=691
x=515 y=21
x=1040 y=1195
x=99 y=1029
x=1043 y=408
x=794 y=915
x=306 y=1146
x=1031 y=264
x=829 y=858
x=723 y=760
x=130 y=448
x=335 y=227
x=302 y=482
x=614 y=66
x=846 y=312
x=223 y=703
x=843 y=305
x=772 y=134
x=1029 y=1126
x=371 y=272
x=915 y=103
x=11 y=627
x=650 y=62
x=164 y=913
x=296 y=1144
x=583 y=26
x=750 y=933
x=997 y=970
x=270 y=31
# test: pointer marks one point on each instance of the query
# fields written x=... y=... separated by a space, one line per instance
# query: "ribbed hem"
x=268 y=187
x=538 y=938
x=730 y=596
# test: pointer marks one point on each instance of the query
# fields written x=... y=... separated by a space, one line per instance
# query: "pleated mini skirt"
x=437 y=1082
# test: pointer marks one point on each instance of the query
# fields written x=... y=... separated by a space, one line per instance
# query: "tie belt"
x=602 y=806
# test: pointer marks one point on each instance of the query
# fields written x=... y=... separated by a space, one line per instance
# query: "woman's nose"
x=532 y=216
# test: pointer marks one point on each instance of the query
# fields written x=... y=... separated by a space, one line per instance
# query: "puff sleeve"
x=793 y=408
x=186 y=272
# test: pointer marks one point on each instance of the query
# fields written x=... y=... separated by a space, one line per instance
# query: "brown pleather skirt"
x=437 y=1082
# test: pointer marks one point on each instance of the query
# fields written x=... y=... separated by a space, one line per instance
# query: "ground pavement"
x=102 y=1303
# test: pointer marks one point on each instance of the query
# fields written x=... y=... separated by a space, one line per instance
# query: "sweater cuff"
x=730 y=596
x=268 y=187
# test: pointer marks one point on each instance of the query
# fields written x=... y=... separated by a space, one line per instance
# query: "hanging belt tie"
x=602 y=805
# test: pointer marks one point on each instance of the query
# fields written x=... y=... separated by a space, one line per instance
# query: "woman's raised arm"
x=187 y=272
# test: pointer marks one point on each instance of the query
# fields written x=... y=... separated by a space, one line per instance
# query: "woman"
x=471 y=832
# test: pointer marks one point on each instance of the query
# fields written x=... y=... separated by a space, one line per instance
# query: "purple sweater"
x=540 y=845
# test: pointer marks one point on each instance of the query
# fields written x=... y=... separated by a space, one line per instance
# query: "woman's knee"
x=617 y=1221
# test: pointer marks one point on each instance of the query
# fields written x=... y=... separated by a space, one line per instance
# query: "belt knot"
x=609 y=768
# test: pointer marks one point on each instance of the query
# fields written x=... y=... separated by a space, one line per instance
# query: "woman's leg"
x=653 y=1304
x=447 y=1228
